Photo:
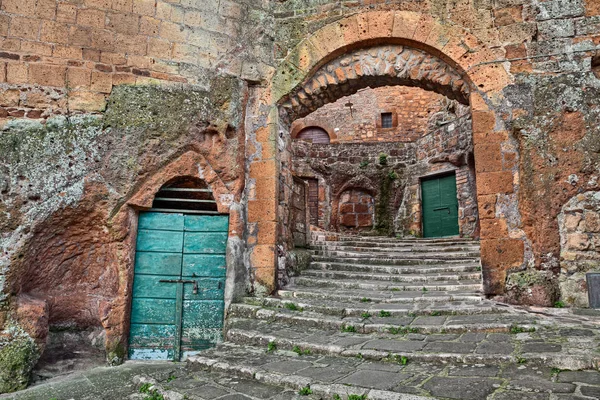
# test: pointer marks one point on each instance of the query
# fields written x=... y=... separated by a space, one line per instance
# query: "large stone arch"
x=483 y=76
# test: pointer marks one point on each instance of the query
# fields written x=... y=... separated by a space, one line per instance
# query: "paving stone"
x=350 y=341
x=394 y=345
x=576 y=332
x=325 y=374
x=253 y=388
x=212 y=392
x=495 y=348
x=590 y=391
x=441 y=338
x=375 y=379
x=499 y=337
x=379 y=366
x=490 y=371
x=438 y=321
x=450 y=347
x=286 y=367
x=472 y=337
x=588 y=377
x=541 y=384
x=461 y=388
x=518 y=395
x=541 y=348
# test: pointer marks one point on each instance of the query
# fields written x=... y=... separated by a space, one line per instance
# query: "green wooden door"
x=440 y=206
x=179 y=284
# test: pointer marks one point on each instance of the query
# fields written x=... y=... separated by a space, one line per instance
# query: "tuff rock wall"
x=102 y=101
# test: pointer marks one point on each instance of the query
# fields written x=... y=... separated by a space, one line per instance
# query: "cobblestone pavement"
x=149 y=381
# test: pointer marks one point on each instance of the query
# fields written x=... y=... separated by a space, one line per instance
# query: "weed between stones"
x=271 y=347
x=520 y=329
x=348 y=328
x=293 y=307
x=402 y=330
x=385 y=314
x=301 y=352
x=305 y=391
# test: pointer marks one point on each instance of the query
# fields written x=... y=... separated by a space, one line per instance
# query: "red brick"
x=502 y=253
x=488 y=157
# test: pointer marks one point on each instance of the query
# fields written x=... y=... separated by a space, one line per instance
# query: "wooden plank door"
x=440 y=206
x=179 y=282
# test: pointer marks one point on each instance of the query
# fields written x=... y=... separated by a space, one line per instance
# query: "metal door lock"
x=194 y=289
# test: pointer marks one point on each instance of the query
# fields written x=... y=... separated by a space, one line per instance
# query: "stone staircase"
x=390 y=318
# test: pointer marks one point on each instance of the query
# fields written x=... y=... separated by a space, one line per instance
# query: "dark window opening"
x=387 y=121
x=190 y=195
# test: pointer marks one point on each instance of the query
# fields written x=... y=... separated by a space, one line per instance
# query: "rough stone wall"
x=411 y=108
x=391 y=172
x=61 y=57
x=579 y=224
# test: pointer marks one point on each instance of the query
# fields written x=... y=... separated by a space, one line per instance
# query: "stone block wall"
x=411 y=109
x=579 y=224
x=356 y=210
x=64 y=57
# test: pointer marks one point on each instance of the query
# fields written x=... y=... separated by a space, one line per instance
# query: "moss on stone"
x=297 y=260
x=18 y=356
x=115 y=352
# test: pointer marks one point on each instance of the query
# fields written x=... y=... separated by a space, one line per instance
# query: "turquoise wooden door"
x=179 y=284
x=440 y=207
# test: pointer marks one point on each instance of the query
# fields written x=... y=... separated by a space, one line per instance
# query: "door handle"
x=194 y=289
x=442 y=208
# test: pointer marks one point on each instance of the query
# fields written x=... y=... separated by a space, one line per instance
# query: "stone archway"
x=481 y=71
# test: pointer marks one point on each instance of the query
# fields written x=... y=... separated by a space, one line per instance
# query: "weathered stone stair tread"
x=393 y=260
x=424 y=324
x=358 y=308
x=388 y=296
x=377 y=380
x=397 y=269
x=381 y=285
x=469 y=347
x=401 y=255
x=396 y=249
x=423 y=277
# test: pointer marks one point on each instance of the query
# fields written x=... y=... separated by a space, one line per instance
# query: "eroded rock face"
x=579 y=224
x=68 y=245
x=532 y=288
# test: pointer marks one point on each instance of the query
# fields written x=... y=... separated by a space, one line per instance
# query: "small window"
x=387 y=121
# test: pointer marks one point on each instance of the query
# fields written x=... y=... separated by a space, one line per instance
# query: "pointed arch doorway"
x=179 y=277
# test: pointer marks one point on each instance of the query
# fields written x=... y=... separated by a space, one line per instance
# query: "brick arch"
x=454 y=45
x=484 y=71
x=375 y=66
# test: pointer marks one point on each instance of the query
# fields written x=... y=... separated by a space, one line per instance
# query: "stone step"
x=311 y=372
x=396 y=270
x=386 y=239
x=395 y=255
x=445 y=286
x=381 y=296
x=394 y=260
x=478 y=348
x=418 y=324
x=429 y=278
x=394 y=379
x=369 y=247
x=367 y=306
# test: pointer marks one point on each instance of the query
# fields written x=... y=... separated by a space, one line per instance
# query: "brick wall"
x=59 y=57
x=356 y=210
x=412 y=109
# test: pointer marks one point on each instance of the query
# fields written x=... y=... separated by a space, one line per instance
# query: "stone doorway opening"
x=384 y=142
x=177 y=305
